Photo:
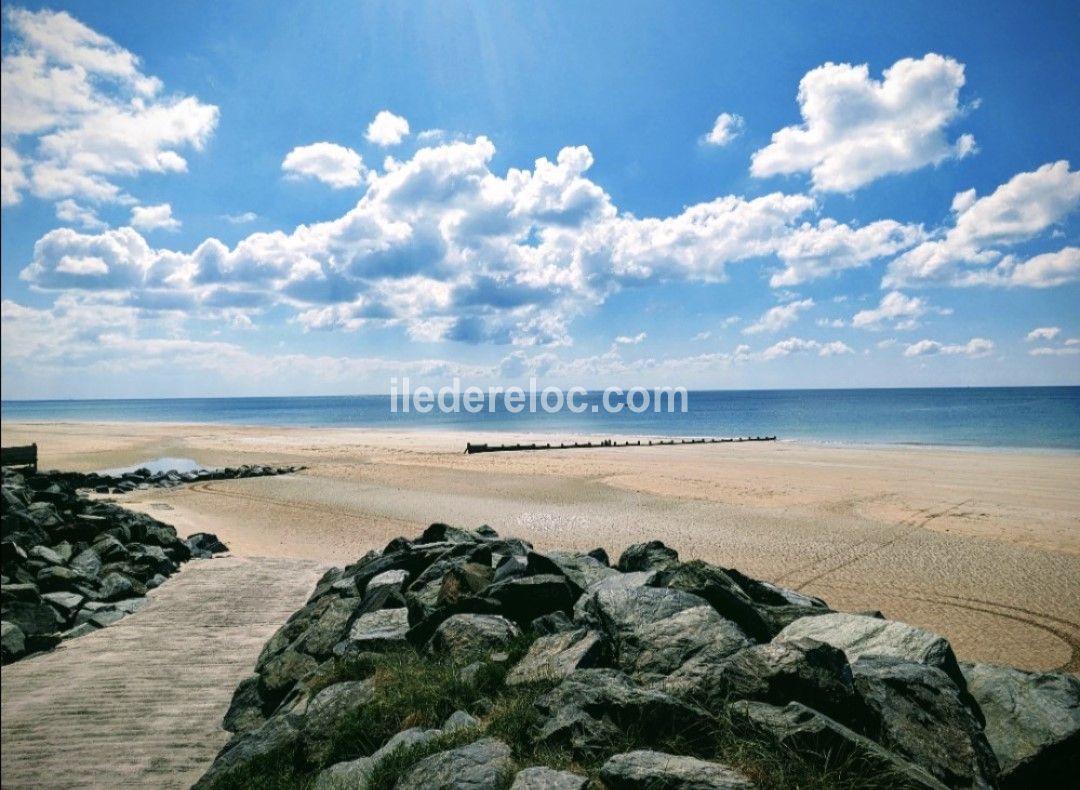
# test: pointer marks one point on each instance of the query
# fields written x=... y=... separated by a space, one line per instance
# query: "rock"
x=378 y=631
x=329 y=628
x=58 y=578
x=807 y=732
x=920 y=715
x=245 y=712
x=523 y=599
x=648 y=770
x=204 y=545
x=556 y=656
x=116 y=585
x=32 y=617
x=395 y=580
x=582 y=570
x=12 y=642
x=67 y=603
x=459 y=582
x=591 y=706
x=543 y=778
x=553 y=623
x=1032 y=723
x=859 y=635
x=802 y=670
x=325 y=714
x=651 y=556
x=280 y=674
x=484 y=765
x=278 y=737
x=654 y=630
x=45 y=554
x=619 y=581
x=87 y=562
x=460 y=720
x=726 y=597
x=466 y=636
x=357 y=774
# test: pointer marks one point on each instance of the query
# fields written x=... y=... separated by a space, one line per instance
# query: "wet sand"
x=983 y=547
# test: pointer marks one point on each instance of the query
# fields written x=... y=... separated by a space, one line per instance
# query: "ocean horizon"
x=1034 y=418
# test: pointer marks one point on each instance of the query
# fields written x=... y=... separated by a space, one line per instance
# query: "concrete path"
x=139 y=704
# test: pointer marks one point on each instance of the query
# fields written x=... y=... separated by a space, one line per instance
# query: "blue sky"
x=251 y=198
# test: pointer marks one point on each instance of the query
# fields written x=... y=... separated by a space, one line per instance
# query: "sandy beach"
x=983 y=547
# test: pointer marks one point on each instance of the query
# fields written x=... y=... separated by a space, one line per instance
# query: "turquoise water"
x=997 y=417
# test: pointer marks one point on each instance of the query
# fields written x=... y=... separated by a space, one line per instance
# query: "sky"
x=242 y=198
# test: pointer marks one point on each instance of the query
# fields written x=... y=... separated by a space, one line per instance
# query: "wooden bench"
x=19 y=456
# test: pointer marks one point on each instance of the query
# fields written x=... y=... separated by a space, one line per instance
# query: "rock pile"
x=143 y=479
x=71 y=565
x=632 y=673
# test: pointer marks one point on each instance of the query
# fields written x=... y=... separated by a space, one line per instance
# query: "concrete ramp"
x=139 y=704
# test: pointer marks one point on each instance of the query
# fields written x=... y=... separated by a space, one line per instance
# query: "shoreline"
x=553 y=436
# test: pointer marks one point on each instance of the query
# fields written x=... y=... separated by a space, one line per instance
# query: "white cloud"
x=896 y=310
x=727 y=127
x=78 y=113
x=795 y=345
x=701 y=336
x=1043 y=333
x=856 y=129
x=387 y=129
x=1055 y=351
x=779 y=317
x=831 y=323
x=969 y=252
x=976 y=347
x=240 y=219
x=815 y=251
x=333 y=164
x=630 y=340
x=68 y=210
x=157 y=217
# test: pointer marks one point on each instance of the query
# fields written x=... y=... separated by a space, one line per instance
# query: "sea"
x=1018 y=418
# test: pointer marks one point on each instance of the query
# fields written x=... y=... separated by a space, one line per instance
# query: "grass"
x=414 y=691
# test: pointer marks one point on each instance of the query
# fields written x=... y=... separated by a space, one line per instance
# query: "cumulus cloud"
x=159 y=217
x=970 y=251
x=830 y=247
x=240 y=219
x=897 y=311
x=631 y=340
x=334 y=165
x=1043 y=333
x=387 y=129
x=794 y=345
x=78 y=114
x=779 y=317
x=727 y=127
x=976 y=347
x=68 y=210
x=857 y=129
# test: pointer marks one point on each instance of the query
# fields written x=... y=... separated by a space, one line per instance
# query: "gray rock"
x=484 y=765
x=553 y=623
x=45 y=554
x=619 y=581
x=654 y=630
x=651 y=556
x=394 y=579
x=460 y=720
x=382 y=630
x=1032 y=723
x=858 y=635
x=66 y=602
x=329 y=628
x=920 y=715
x=356 y=774
x=87 y=562
x=325 y=714
x=467 y=636
x=12 y=642
x=801 y=670
x=648 y=770
x=556 y=656
x=279 y=736
x=245 y=712
x=592 y=707
x=543 y=778
x=582 y=570
x=808 y=732
x=57 y=577
x=80 y=630
x=720 y=590
x=116 y=585
x=281 y=672
x=525 y=598
x=32 y=617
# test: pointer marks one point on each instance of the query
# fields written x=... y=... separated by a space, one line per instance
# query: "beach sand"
x=982 y=547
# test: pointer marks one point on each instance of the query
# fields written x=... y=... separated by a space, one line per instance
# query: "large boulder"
x=582 y=570
x=483 y=765
x=12 y=642
x=525 y=598
x=464 y=637
x=541 y=777
x=805 y=731
x=651 y=556
x=861 y=635
x=378 y=631
x=592 y=706
x=654 y=630
x=720 y=590
x=919 y=713
x=1032 y=723
x=358 y=774
x=325 y=714
x=648 y=770
x=551 y=658
x=277 y=739
x=801 y=670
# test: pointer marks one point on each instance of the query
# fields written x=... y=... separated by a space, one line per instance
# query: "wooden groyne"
x=471 y=448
